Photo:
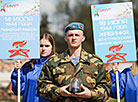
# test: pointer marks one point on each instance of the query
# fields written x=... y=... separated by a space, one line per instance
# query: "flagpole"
x=117 y=84
x=18 y=85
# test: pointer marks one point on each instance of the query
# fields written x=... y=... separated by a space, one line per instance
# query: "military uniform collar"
x=66 y=58
x=84 y=56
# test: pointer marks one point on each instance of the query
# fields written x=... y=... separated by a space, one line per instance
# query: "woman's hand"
x=18 y=64
x=115 y=67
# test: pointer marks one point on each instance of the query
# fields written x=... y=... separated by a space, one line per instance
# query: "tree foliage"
x=44 y=24
x=80 y=12
x=59 y=40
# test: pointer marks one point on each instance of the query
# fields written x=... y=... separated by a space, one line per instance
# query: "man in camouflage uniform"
x=54 y=80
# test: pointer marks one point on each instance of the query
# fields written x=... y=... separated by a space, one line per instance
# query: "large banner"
x=114 y=36
x=19 y=29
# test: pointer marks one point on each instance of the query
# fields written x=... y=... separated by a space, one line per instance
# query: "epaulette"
x=52 y=56
x=97 y=57
x=59 y=55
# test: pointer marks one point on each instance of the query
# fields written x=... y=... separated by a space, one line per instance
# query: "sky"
x=49 y=7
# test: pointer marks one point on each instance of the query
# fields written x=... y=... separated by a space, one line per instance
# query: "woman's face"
x=45 y=48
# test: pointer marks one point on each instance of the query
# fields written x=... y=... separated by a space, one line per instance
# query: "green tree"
x=135 y=3
x=60 y=43
x=44 y=24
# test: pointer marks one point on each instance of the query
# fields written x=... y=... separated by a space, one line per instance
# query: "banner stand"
x=18 y=85
x=117 y=84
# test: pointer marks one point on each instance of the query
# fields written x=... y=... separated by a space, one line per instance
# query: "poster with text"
x=114 y=36
x=19 y=29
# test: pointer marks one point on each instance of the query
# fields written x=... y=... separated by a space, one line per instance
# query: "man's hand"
x=85 y=94
x=65 y=92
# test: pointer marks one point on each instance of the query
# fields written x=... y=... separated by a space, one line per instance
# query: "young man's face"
x=74 y=38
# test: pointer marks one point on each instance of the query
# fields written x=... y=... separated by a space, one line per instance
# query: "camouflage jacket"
x=59 y=70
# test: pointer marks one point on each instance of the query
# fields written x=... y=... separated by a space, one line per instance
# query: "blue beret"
x=73 y=26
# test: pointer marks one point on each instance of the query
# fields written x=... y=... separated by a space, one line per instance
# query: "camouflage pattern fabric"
x=59 y=71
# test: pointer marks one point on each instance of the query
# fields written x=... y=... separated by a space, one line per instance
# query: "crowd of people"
x=49 y=78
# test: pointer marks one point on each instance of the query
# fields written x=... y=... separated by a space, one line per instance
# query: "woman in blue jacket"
x=128 y=83
x=30 y=71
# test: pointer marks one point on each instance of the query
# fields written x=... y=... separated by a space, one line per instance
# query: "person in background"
x=30 y=71
x=74 y=64
x=128 y=82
